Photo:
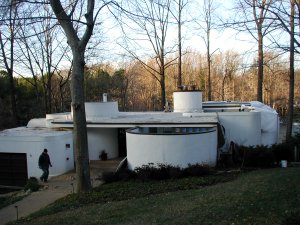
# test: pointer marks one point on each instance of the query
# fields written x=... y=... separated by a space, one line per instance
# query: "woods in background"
x=36 y=60
x=137 y=90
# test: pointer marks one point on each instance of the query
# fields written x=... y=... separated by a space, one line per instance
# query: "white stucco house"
x=190 y=133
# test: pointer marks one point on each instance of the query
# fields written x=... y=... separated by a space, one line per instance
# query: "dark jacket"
x=44 y=161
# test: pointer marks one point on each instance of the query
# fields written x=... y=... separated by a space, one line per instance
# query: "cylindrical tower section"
x=177 y=148
x=187 y=101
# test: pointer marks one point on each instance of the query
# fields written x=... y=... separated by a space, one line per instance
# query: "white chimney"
x=104 y=97
x=187 y=101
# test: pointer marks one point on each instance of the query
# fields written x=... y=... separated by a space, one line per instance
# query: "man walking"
x=44 y=163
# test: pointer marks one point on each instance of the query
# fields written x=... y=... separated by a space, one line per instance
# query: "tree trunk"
x=78 y=47
x=292 y=75
x=209 y=74
x=163 y=88
x=13 y=97
x=260 y=71
x=179 y=47
x=79 y=120
x=209 y=98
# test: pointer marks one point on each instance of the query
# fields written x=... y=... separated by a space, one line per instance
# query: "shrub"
x=259 y=156
x=293 y=218
x=32 y=184
x=197 y=170
x=123 y=174
x=159 y=172
x=109 y=177
x=284 y=151
x=263 y=156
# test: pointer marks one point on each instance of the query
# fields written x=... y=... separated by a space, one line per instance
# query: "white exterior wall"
x=243 y=128
x=269 y=123
x=100 y=109
x=62 y=158
x=187 y=101
x=177 y=150
x=102 y=139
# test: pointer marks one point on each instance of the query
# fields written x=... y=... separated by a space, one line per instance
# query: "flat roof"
x=133 y=119
x=33 y=132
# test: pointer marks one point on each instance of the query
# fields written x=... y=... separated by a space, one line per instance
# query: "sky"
x=221 y=41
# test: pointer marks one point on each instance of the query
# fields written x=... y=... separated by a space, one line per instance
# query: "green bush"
x=123 y=174
x=284 y=151
x=293 y=218
x=258 y=156
x=158 y=172
x=197 y=170
x=263 y=156
x=32 y=184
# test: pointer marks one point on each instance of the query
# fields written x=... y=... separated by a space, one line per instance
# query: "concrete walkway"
x=56 y=188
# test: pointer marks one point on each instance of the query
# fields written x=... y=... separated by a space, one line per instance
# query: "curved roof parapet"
x=262 y=107
x=37 y=122
x=101 y=109
x=60 y=116
x=171 y=130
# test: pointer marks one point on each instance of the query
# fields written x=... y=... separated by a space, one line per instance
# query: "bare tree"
x=78 y=40
x=7 y=42
x=251 y=16
x=150 y=25
x=42 y=48
x=206 y=23
x=291 y=72
x=178 y=16
x=285 y=14
x=231 y=66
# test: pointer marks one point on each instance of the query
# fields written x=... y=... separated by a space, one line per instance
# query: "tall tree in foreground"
x=285 y=14
x=78 y=46
x=291 y=73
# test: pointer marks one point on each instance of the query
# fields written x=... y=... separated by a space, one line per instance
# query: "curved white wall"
x=187 y=101
x=243 y=128
x=177 y=150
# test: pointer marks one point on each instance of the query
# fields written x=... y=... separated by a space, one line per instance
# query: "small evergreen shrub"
x=123 y=174
x=293 y=218
x=151 y=172
x=259 y=156
x=32 y=184
x=158 y=172
x=109 y=177
x=197 y=170
x=263 y=156
x=284 y=151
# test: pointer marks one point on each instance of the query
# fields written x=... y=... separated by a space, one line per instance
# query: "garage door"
x=13 y=169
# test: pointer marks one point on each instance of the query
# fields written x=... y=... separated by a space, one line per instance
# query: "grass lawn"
x=270 y=197
x=9 y=199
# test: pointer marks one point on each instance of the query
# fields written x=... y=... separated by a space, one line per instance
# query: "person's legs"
x=45 y=174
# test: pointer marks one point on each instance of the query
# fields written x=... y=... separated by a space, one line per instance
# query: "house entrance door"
x=122 y=142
